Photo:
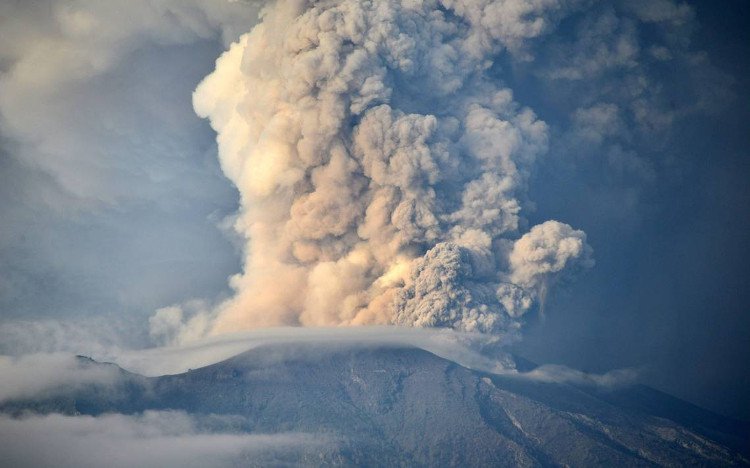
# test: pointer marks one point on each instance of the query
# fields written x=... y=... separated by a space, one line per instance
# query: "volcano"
x=397 y=405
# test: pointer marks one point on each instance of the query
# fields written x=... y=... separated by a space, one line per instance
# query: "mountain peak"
x=403 y=405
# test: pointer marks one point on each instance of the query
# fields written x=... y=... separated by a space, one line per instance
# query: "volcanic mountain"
x=397 y=405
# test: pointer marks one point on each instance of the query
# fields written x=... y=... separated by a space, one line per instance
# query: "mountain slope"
x=397 y=405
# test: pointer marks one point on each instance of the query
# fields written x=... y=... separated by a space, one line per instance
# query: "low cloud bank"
x=35 y=375
x=153 y=439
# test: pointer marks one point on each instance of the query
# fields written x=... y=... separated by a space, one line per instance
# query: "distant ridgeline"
x=381 y=405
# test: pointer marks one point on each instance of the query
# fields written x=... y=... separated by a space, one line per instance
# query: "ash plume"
x=381 y=169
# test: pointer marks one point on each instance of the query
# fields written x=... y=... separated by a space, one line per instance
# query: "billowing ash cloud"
x=381 y=170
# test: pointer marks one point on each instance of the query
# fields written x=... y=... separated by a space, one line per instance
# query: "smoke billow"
x=382 y=171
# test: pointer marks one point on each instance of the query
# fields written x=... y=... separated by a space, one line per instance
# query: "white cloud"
x=108 y=181
x=153 y=439
x=89 y=336
x=552 y=373
x=33 y=376
x=463 y=348
x=76 y=122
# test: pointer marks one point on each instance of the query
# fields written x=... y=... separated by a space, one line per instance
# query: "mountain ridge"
x=389 y=404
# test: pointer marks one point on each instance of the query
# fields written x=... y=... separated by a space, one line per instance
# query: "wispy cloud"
x=456 y=346
x=472 y=350
x=152 y=439
x=562 y=374
x=33 y=376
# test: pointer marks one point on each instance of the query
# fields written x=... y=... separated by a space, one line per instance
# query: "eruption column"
x=382 y=168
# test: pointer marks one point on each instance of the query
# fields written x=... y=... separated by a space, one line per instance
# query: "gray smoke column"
x=381 y=170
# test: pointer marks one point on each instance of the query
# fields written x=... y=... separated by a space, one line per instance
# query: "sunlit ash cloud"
x=382 y=172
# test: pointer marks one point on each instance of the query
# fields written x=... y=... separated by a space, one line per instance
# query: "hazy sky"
x=113 y=203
